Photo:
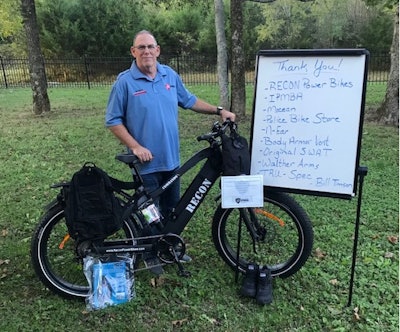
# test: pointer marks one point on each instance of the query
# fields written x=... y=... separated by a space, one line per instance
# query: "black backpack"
x=235 y=154
x=92 y=211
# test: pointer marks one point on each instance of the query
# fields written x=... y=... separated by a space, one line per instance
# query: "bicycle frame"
x=278 y=235
x=188 y=202
x=185 y=209
x=196 y=191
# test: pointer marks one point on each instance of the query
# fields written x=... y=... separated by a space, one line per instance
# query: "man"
x=142 y=112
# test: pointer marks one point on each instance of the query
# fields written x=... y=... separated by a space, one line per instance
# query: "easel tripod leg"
x=362 y=172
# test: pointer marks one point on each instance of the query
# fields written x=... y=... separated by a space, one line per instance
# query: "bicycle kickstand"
x=182 y=272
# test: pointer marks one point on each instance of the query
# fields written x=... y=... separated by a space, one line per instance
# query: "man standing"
x=142 y=112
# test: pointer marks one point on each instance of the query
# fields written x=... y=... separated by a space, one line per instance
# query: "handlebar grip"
x=217 y=130
x=203 y=137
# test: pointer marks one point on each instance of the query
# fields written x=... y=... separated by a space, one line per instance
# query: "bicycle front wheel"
x=278 y=235
x=54 y=256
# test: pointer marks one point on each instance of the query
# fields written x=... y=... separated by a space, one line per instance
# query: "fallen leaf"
x=393 y=239
x=179 y=323
x=334 y=282
x=157 y=282
x=4 y=232
x=319 y=254
x=5 y=261
x=356 y=315
x=388 y=254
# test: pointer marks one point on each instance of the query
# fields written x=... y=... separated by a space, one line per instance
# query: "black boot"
x=264 y=286
x=249 y=286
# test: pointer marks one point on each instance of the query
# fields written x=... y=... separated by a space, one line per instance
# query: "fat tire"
x=297 y=230
x=52 y=225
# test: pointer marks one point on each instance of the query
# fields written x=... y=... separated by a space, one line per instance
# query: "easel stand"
x=361 y=172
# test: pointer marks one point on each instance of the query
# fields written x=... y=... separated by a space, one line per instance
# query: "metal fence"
x=100 y=71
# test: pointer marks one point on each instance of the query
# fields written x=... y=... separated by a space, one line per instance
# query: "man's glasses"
x=150 y=47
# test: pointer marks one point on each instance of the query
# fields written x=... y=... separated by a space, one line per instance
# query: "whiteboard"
x=307 y=120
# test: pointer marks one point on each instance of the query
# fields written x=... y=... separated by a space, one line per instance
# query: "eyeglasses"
x=150 y=47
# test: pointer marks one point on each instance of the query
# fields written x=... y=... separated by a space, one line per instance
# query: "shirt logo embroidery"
x=140 y=92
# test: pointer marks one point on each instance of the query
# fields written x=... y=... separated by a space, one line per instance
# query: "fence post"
x=4 y=72
x=177 y=65
x=87 y=71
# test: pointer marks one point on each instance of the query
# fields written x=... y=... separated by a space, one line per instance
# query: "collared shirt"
x=149 y=110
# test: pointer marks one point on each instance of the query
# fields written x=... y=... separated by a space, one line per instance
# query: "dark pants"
x=168 y=200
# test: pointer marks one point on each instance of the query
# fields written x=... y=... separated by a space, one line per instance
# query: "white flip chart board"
x=307 y=120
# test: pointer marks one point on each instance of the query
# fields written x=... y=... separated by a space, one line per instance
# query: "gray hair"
x=143 y=32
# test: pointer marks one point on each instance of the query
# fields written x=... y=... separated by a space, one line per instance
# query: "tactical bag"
x=92 y=211
x=235 y=154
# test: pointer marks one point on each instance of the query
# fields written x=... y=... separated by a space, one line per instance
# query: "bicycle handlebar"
x=217 y=130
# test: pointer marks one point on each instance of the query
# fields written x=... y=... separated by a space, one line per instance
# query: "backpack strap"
x=119 y=185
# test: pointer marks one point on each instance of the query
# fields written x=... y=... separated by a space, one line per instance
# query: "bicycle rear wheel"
x=54 y=256
x=282 y=235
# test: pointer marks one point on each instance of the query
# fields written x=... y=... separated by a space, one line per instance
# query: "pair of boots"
x=257 y=283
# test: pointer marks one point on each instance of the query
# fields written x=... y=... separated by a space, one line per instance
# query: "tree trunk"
x=222 y=56
x=238 y=94
x=41 y=102
x=388 y=112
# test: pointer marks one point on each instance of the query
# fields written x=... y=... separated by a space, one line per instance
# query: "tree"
x=9 y=19
x=287 y=23
x=41 y=102
x=238 y=92
x=222 y=53
x=88 y=27
x=388 y=111
x=10 y=27
x=238 y=70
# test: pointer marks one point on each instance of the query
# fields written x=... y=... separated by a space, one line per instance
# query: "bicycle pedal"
x=182 y=272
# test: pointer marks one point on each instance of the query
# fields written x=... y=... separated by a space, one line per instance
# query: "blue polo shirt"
x=149 y=110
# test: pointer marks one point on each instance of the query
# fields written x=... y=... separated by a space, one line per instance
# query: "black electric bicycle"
x=278 y=235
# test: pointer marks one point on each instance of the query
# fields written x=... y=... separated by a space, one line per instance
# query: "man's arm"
x=200 y=106
x=125 y=138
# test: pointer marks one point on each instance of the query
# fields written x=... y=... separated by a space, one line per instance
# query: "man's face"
x=146 y=51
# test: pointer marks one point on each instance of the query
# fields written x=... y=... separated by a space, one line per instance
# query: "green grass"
x=38 y=151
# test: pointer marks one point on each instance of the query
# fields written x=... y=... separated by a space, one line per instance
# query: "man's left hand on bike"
x=143 y=154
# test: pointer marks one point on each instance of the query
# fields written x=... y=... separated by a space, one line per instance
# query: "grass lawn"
x=39 y=151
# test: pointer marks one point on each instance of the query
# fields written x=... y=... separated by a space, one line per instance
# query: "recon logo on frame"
x=198 y=196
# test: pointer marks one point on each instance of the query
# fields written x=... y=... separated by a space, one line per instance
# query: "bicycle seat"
x=127 y=158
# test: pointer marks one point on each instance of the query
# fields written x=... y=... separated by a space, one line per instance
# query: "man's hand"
x=142 y=153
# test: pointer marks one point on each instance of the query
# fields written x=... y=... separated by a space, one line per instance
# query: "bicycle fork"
x=256 y=231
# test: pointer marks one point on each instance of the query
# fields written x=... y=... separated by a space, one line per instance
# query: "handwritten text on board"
x=306 y=121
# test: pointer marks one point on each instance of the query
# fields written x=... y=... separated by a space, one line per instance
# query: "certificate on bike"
x=242 y=191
